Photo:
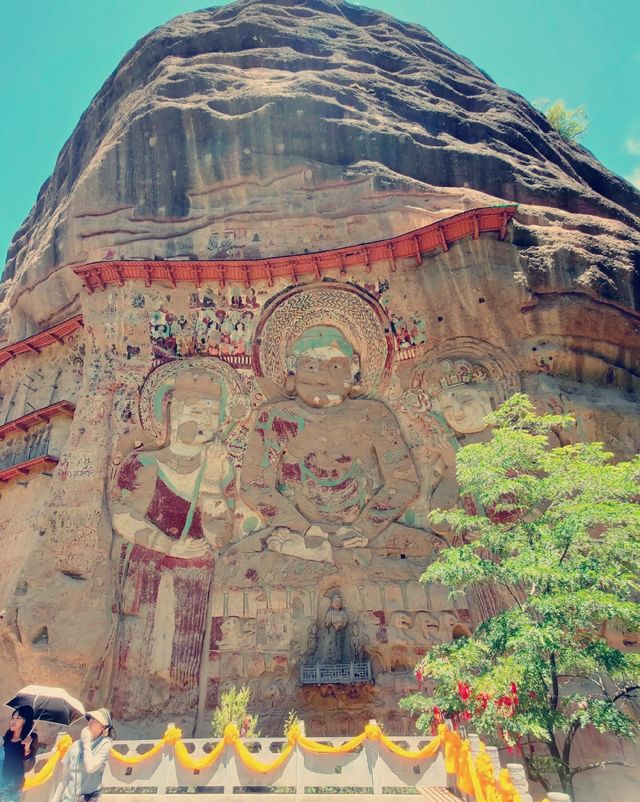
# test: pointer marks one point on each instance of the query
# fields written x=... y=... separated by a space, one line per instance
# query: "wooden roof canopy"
x=33 y=344
x=412 y=245
x=44 y=415
x=25 y=468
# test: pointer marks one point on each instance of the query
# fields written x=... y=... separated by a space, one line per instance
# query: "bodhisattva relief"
x=451 y=393
x=173 y=508
x=328 y=469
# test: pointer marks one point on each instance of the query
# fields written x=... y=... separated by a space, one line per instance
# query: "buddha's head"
x=323 y=368
x=195 y=408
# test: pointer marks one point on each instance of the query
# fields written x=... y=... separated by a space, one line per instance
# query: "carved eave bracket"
x=24 y=468
x=25 y=422
x=34 y=344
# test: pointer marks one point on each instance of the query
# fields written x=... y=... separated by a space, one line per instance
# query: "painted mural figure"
x=325 y=468
x=173 y=508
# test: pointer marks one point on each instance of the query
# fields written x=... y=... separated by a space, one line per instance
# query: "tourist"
x=83 y=765
x=20 y=744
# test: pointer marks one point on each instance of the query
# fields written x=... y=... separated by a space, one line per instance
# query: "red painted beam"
x=23 y=468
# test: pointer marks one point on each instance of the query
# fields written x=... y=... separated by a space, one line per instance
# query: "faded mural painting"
x=270 y=456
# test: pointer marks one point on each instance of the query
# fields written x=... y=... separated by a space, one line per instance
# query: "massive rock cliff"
x=185 y=503
x=311 y=125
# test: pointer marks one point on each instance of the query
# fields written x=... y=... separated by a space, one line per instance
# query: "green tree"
x=559 y=535
x=234 y=709
x=571 y=124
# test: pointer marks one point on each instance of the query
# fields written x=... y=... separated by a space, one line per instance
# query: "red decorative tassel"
x=464 y=691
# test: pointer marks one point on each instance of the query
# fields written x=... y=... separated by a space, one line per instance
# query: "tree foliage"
x=234 y=709
x=571 y=124
x=559 y=537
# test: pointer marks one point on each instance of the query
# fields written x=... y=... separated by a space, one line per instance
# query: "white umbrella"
x=49 y=704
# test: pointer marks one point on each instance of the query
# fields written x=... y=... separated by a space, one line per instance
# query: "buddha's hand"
x=316 y=531
x=215 y=456
x=280 y=536
x=350 y=538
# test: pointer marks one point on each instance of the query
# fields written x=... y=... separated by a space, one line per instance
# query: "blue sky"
x=55 y=55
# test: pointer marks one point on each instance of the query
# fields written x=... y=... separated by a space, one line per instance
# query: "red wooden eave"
x=24 y=468
x=43 y=415
x=33 y=344
x=413 y=244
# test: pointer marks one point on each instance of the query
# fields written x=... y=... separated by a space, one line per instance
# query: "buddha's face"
x=323 y=379
x=196 y=419
x=465 y=406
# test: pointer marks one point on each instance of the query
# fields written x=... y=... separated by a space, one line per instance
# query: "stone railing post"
x=373 y=757
x=300 y=764
x=228 y=755
x=519 y=780
x=168 y=757
x=474 y=742
x=494 y=757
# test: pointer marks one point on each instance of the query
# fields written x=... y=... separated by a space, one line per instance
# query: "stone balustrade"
x=368 y=769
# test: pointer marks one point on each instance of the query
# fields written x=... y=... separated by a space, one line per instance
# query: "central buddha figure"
x=326 y=468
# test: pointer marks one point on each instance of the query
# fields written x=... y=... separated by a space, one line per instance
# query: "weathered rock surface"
x=212 y=496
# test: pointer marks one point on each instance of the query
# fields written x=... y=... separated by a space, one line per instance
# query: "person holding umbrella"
x=20 y=744
x=83 y=765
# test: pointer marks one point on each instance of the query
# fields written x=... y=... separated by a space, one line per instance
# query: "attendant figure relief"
x=451 y=394
x=172 y=506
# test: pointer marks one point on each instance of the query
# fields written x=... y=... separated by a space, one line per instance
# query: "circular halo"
x=499 y=366
x=154 y=395
x=358 y=316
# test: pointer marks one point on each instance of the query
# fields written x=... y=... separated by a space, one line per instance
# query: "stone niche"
x=241 y=457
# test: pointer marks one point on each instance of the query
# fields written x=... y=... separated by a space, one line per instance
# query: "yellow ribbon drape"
x=61 y=748
x=326 y=749
x=430 y=750
x=197 y=764
x=474 y=776
x=134 y=760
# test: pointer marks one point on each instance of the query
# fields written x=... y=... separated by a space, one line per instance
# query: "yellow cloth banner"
x=474 y=776
x=62 y=746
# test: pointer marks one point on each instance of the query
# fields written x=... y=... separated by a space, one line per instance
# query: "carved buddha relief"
x=328 y=469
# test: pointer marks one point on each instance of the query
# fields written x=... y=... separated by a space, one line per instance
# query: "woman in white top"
x=84 y=763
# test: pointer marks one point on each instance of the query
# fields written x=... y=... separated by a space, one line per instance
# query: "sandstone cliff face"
x=189 y=533
x=260 y=129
